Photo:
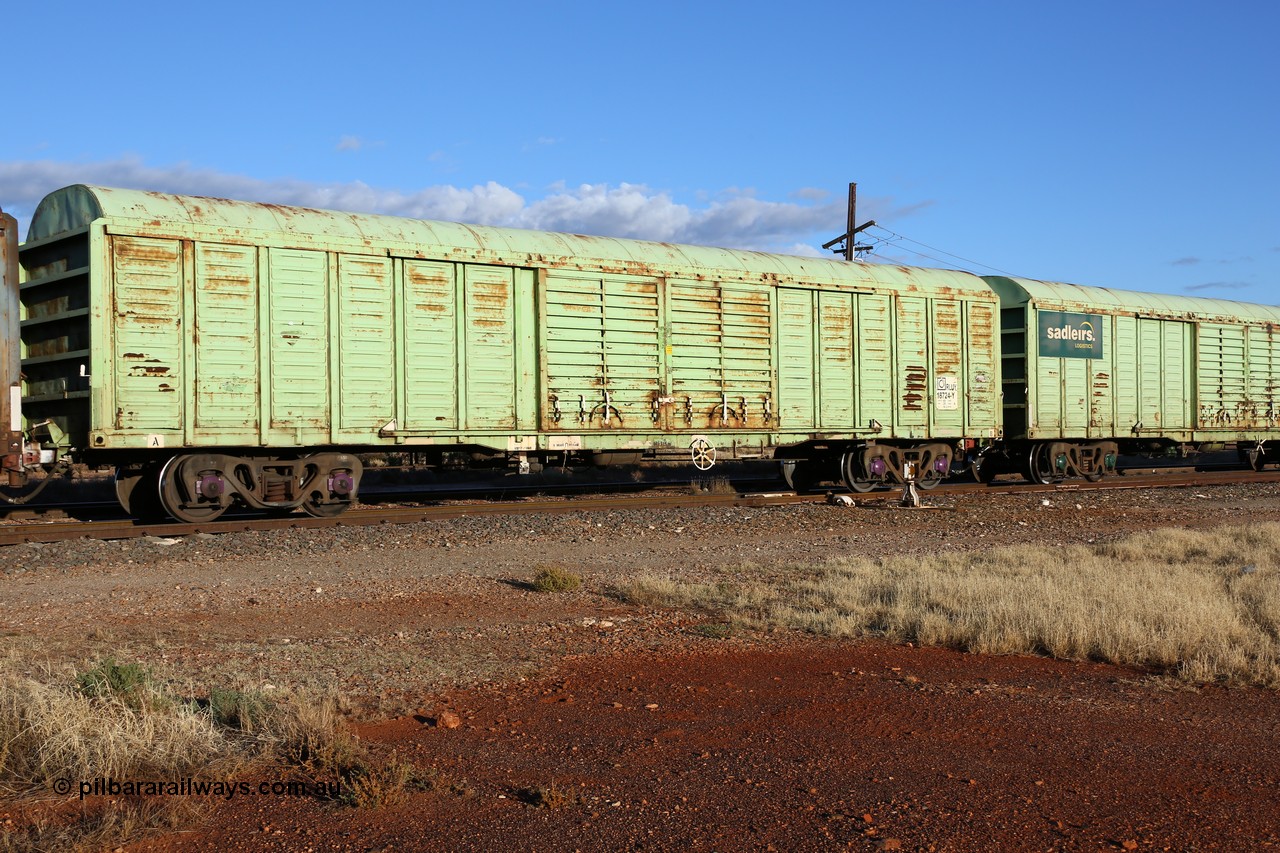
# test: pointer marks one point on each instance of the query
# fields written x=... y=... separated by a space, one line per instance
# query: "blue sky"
x=1121 y=144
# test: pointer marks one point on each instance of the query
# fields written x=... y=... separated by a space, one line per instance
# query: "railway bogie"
x=196 y=487
x=862 y=467
x=1258 y=454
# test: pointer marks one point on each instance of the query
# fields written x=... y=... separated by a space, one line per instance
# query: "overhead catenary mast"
x=850 y=248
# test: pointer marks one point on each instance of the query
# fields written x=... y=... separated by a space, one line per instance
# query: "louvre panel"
x=1075 y=375
x=874 y=361
x=149 y=379
x=299 y=338
x=367 y=392
x=911 y=342
x=602 y=337
x=795 y=359
x=948 y=374
x=721 y=356
x=226 y=350
x=981 y=408
x=489 y=366
x=430 y=345
x=1125 y=360
x=1101 y=408
x=1149 y=380
x=835 y=361
x=1174 y=393
x=1264 y=374
x=1236 y=371
x=1048 y=398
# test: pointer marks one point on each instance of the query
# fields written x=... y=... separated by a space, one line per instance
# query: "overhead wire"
x=897 y=238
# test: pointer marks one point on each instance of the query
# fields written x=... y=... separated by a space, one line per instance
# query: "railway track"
x=364 y=516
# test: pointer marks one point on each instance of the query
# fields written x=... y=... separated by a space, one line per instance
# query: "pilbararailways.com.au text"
x=324 y=789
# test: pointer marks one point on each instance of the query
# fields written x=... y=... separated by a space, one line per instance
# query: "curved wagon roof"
x=1056 y=296
x=75 y=207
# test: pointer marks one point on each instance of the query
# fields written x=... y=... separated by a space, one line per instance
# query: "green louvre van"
x=1089 y=371
x=216 y=351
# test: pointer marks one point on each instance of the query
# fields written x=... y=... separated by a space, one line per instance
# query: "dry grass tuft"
x=544 y=797
x=714 y=630
x=1204 y=605
x=309 y=732
x=712 y=486
x=112 y=722
x=555 y=579
x=371 y=785
x=128 y=682
x=50 y=732
x=105 y=828
x=249 y=712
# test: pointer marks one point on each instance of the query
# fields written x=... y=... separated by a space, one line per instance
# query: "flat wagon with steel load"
x=1089 y=372
x=216 y=352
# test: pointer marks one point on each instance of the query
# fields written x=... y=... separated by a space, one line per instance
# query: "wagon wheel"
x=176 y=489
x=984 y=469
x=330 y=493
x=137 y=491
x=1039 y=466
x=320 y=505
x=852 y=473
x=802 y=477
x=704 y=454
x=927 y=475
x=316 y=508
x=1095 y=471
x=931 y=480
x=1257 y=458
x=1029 y=464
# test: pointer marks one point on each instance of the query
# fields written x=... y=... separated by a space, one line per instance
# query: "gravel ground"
x=403 y=621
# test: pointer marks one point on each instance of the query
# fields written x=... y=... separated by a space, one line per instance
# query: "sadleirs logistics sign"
x=1064 y=335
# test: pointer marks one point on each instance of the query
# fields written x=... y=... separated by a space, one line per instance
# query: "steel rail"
x=57 y=531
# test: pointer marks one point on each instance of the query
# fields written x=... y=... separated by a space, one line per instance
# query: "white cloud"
x=1218 y=285
x=811 y=194
x=732 y=218
x=350 y=143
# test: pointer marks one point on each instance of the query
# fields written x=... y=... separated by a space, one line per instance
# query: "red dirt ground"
x=815 y=746
x=649 y=735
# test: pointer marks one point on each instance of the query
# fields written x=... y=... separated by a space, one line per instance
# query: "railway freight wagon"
x=1089 y=372
x=216 y=352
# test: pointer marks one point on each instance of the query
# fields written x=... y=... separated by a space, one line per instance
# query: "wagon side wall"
x=208 y=343
x=887 y=364
x=788 y=363
x=271 y=342
x=1155 y=367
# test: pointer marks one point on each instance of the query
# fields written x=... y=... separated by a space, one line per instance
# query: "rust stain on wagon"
x=916 y=378
x=143 y=252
